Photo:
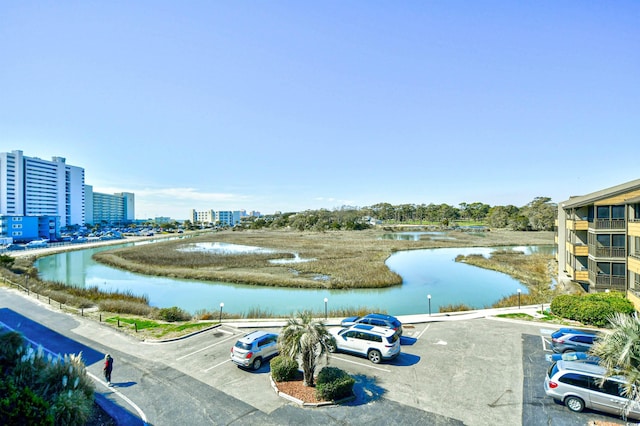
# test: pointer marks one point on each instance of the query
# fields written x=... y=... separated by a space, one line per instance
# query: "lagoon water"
x=424 y=272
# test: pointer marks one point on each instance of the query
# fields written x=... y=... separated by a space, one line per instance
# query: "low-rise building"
x=598 y=238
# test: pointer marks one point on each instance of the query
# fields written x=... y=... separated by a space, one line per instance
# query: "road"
x=475 y=372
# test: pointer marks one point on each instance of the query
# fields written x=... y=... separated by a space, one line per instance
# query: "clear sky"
x=296 y=105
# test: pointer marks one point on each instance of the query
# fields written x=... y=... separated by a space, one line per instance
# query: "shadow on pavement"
x=123 y=384
x=405 y=360
x=366 y=390
x=407 y=341
x=54 y=342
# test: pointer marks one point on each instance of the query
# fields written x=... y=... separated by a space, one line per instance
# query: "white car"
x=376 y=343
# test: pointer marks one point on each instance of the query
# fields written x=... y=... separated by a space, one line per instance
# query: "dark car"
x=377 y=320
x=572 y=340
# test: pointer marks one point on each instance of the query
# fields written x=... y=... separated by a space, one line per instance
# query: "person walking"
x=108 y=367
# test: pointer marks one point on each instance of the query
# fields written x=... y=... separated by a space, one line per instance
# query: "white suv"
x=376 y=343
x=252 y=349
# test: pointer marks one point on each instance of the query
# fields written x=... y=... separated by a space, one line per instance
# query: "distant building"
x=28 y=228
x=217 y=217
x=31 y=187
x=599 y=240
x=112 y=209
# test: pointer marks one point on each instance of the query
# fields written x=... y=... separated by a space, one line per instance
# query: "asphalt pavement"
x=454 y=369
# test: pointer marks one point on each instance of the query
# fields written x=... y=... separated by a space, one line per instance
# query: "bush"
x=283 y=369
x=22 y=406
x=333 y=383
x=593 y=309
x=41 y=389
x=174 y=314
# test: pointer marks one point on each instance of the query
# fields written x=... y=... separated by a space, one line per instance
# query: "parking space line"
x=360 y=363
x=205 y=348
x=422 y=332
x=545 y=342
x=217 y=365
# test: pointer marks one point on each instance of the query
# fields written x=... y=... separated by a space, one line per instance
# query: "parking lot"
x=479 y=372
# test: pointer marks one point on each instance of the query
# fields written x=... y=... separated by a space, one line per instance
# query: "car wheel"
x=257 y=363
x=374 y=356
x=574 y=403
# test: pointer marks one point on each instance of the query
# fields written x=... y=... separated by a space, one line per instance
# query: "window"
x=617 y=212
x=603 y=212
x=619 y=269
x=618 y=240
x=610 y=387
x=576 y=380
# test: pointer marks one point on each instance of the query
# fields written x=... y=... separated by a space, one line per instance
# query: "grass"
x=156 y=329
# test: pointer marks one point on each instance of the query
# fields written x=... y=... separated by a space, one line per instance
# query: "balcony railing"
x=609 y=224
x=611 y=252
x=604 y=281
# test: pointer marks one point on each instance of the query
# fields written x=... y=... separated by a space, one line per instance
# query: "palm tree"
x=305 y=339
x=619 y=352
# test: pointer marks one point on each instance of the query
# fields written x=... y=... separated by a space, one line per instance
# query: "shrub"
x=283 y=369
x=174 y=314
x=593 y=309
x=333 y=383
x=20 y=405
x=42 y=389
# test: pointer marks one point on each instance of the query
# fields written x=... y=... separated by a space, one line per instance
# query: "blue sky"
x=295 y=105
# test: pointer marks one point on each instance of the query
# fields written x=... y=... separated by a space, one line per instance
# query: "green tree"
x=619 y=352
x=541 y=213
x=305 y=340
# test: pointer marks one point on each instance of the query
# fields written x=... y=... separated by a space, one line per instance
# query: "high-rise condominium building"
x=31 y=186
x=112 y=209
x=599 y=240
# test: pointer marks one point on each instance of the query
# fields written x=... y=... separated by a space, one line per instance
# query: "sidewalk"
x=531 y=310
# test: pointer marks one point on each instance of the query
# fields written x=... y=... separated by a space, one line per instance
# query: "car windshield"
x=393 y=338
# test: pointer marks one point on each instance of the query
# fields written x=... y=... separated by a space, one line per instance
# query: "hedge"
x=592 y=309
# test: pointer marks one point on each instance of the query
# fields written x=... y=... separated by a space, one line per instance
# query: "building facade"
x=28 y=228
x=216 y=217
x=31 y=186
x=112 y=209
x=598 y=240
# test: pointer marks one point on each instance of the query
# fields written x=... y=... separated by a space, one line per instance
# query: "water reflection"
x=416 y=236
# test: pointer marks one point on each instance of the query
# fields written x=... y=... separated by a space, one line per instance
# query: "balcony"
x=611 y=252
x=619 y=224
x=610 y=282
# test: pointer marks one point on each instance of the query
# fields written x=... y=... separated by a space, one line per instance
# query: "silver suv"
x=376 y=343
x=254 y=348
x=577 y=385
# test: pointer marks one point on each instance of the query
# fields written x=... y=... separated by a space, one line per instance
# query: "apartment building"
x=30 y=186
x=112 y=209
x=598 y=240
x=216 y=217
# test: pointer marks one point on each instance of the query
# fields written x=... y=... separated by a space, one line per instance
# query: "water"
x=424 y=272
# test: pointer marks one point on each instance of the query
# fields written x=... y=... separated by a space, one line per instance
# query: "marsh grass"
x=335 y=260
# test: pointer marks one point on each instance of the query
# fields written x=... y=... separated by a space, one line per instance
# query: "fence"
x=25 y=288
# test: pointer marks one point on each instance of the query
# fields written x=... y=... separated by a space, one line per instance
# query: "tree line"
x=538 y=215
